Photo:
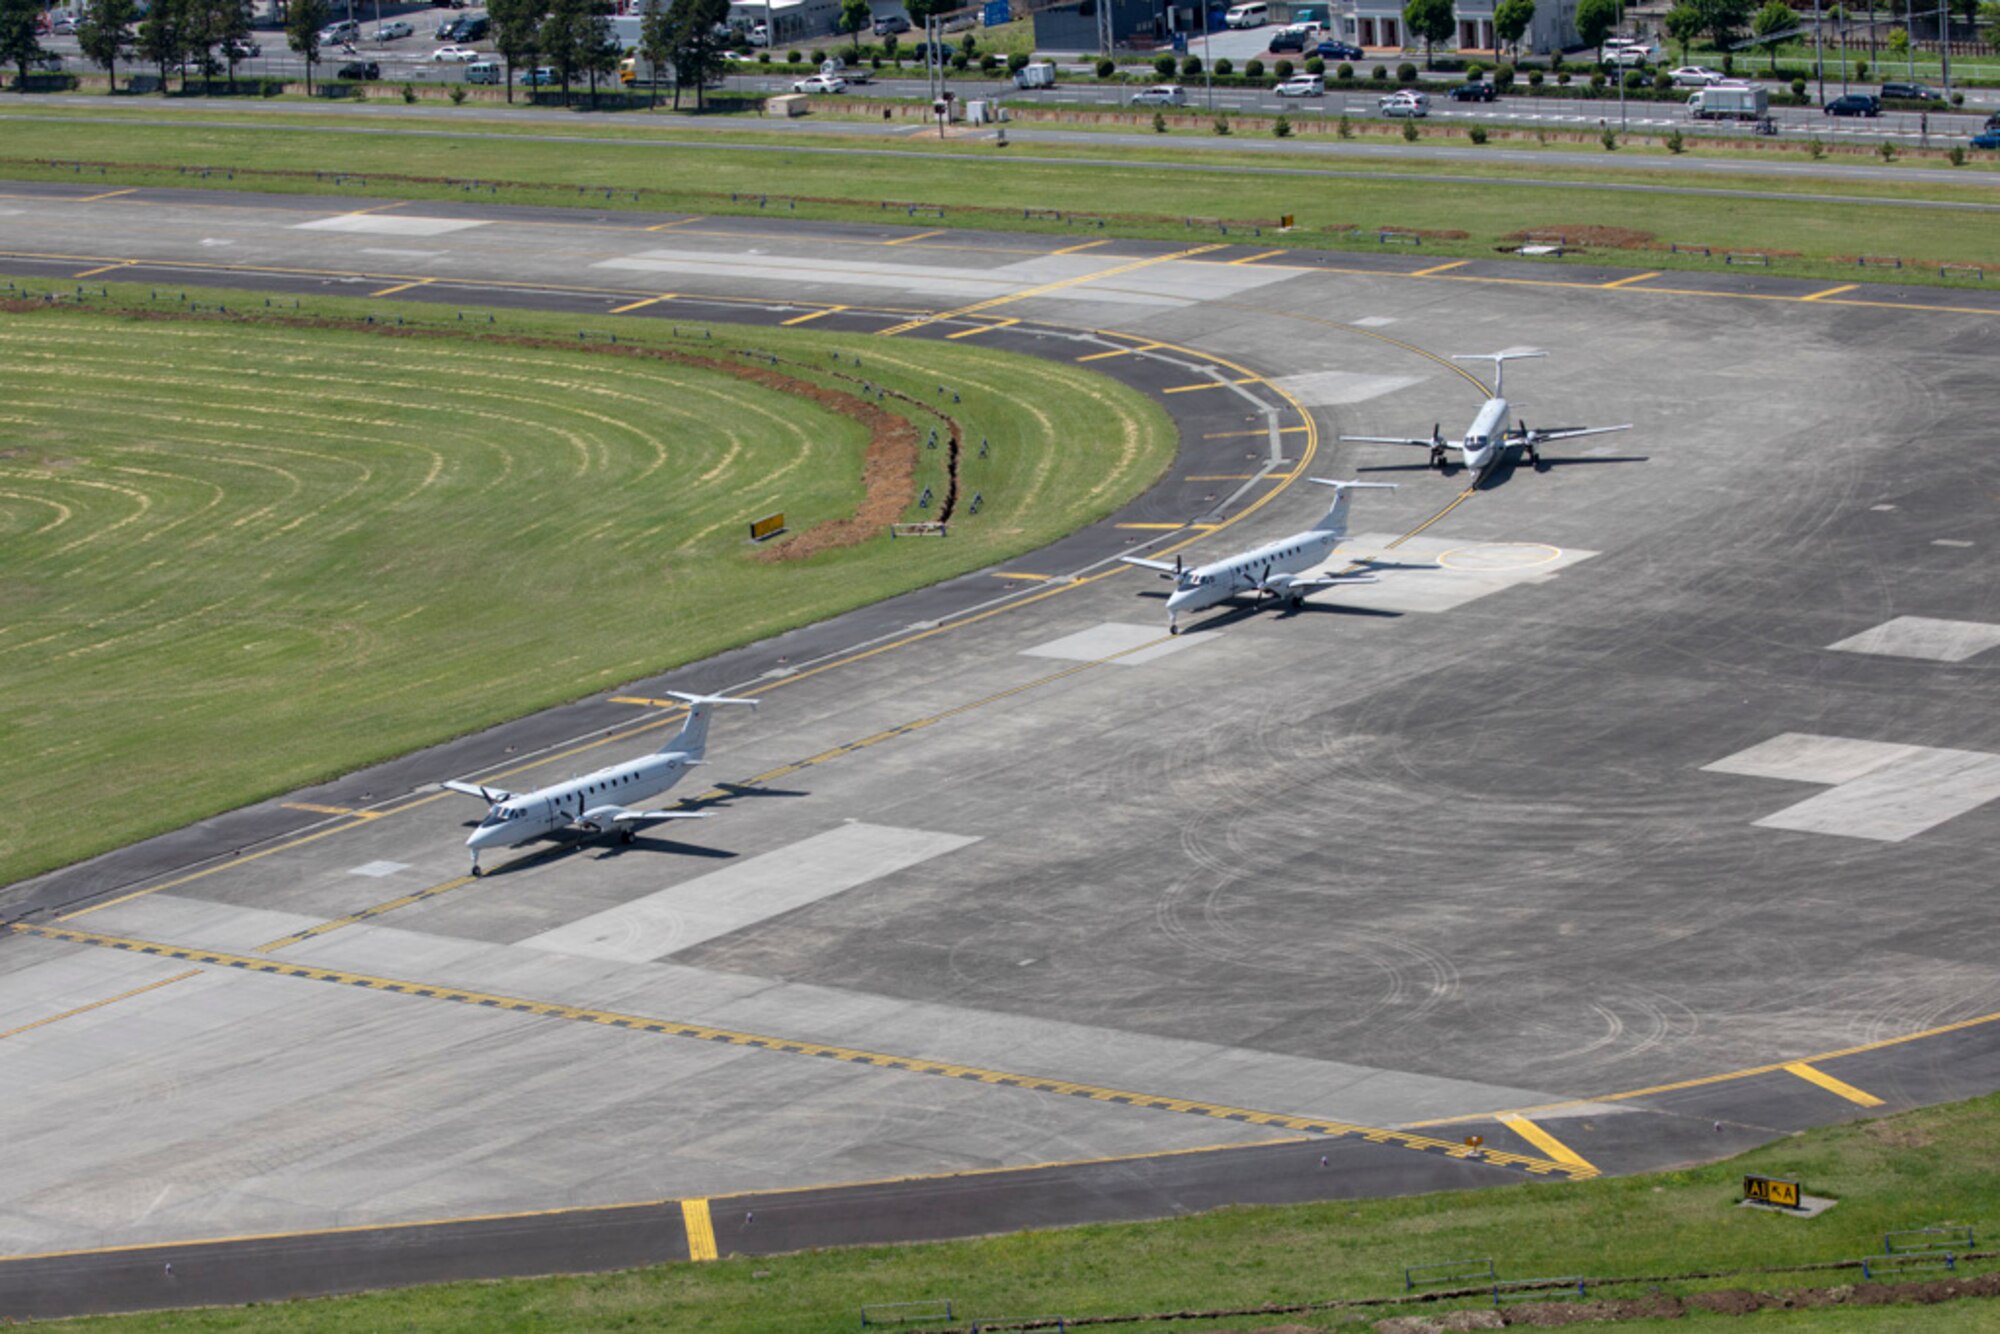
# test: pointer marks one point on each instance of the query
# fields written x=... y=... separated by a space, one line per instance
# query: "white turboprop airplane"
x=1274 y=569
x=1487 y=439
x=604 y=800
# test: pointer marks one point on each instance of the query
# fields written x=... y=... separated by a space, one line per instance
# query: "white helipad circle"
x=1482 y=556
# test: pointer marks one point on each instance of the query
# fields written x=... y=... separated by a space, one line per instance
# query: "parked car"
x=1161 y=95
x=1479 y=91
x=389 y=32
x=454 y=55
x=1987 y=138
x=1912 y=92
x=243 y=50
x=468 y=28
x=1697 y=76
x=1854 y=104
x=1254 y=14
x=335 y=33
x=1338 y=51
x=64 y=25
x=541 y=76
x=1303 y=85
x=820 y=83
x=1406 y=103
x=891 y=23
x=1293 y=38
x=364 y=70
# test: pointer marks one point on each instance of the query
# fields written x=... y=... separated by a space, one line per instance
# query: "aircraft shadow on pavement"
x=1241 y=612
x=612 y=848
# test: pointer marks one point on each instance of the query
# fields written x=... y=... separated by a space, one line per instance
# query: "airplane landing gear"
x=625 y=835
x=1437 y=458
x=475 y=868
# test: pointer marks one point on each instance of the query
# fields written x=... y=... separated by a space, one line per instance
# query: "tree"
x=517 y=32
x=656 y=44
x=1594 y=21
x=162 y=39
x=18 y=44
x=1724 y=20
x=1684 y=23
x=920 y=11
x=1510 y=22
x=600 y=52
x=303 y=21
x=105 y=34
x=854 y=16
x=1431 y=20
x=697 y=48
x=1989 y=23
x=228 y=25
x=565 y=38
x=1772 y=23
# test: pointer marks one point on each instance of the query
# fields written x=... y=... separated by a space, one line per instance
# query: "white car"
x=454 y=55
x=1696 y=76
x=1302 y=85
x=820 y=83
x=1161 y=95
x=1406 y=104
x=389 y=32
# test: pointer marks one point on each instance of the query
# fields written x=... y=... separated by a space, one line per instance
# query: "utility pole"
x=1944 y=45
x=1910 y=46
x=1819 y=55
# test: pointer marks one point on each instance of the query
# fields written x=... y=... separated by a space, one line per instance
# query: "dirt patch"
x=1896 y=1136
x=888 y=470
x=1611 y=238
x=1448 y=234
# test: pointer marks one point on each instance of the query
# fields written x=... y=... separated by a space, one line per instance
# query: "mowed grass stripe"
x=244 y=559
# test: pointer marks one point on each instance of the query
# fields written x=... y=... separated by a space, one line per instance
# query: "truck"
x=1040 y=74
x=1729 y=101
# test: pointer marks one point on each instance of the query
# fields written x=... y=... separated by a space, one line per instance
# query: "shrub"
x=819 y=57
x=1815 y=149
x=1597 y=82
x=1609 y=139
x=1016 y=63
x=960 y=60
x=1562 y=79
x=1477 y=134
x=1728 y=62
x=1282 y=126
x=1799 y=90
x=1283 y=69
x=1315 y=66
x=1887 y=151
x=1164 y=67
x=1345 y=129
x=1379 y=73
x=1159 y=123
x=1191 y=67
x=1225 y=67
x=1957 y=98
x=1473 y=71
x=1409 y=131
x=1957 y=155
x=1222 y=123
x=1253 y=69
x=791 y=57
x=1663 y=82
x=1344 y=71
x=1676 y=143
x=1633 y=78
x=1105 y=69
x=1860 y=71
x=1406 y=73
x=458 y=94
x=409 y=92
x=1534 y=78
x=1555 y=62
x=1503 y=78
x=989 y=62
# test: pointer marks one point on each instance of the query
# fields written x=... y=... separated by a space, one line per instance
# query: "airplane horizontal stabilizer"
x=485 y=792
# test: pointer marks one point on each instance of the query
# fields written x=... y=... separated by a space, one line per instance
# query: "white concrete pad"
x=379 y=869
x=1452 y=571
x=742 y=895
x=1326 y=389
x=1899 y=800
x=388 y=224
x=1924 y=637
x=1122 y=644
x=1802 y=757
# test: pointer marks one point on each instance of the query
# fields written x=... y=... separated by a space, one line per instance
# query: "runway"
x=1649 y=820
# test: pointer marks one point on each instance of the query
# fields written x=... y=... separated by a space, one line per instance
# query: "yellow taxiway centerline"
x=1835 y=1086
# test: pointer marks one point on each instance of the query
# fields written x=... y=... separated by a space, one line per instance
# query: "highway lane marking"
x=700 y=1228
x=1334 y=1129
x=1831 y=291
x=1836 y=1086
x=1547 y=1143
x=318 y=809
x=1060 y=284
x=98 y=1005
x=984 y=328
x=641 y=305
x=404 y=287
x=1440 y=268
x=812 y=315
x=1626 y=281
x=1214 y=384
x=919 y=236
x=1252 y=259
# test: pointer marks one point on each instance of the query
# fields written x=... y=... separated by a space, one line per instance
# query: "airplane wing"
x=1536 y=435
x=604 y=817
x=1313 y=583
x=1425 y=443
x=1164 y=567
x=487 y=793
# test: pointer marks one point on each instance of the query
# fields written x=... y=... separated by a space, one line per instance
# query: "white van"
x=1041 y=74
x=483 y=71
x=1253 y=15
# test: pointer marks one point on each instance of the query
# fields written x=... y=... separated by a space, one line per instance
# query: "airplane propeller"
x=1437 y=444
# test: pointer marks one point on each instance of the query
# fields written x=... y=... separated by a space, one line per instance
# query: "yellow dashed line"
x=1252 y=259
x=641 y=305
x=1009 y=574
x=1832 y=1085
x=663 y=226
x=318 y=809
x=108 y=194
x=1831 y=291
x=984 y=328
x=920 y=236
x=1628 y=280
x=404 y=287
x=1076 y=249
x=812 y=315
x=106 y=268
x=1441 y=268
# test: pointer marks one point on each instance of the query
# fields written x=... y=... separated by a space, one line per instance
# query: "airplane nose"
x=483 y=836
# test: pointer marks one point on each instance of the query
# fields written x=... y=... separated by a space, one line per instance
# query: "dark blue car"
x=1337 y=51
x=1986 y=139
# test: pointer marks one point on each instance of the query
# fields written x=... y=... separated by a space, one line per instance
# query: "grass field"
x=1806 y=231
x=1929 y=1167
x=243 y=556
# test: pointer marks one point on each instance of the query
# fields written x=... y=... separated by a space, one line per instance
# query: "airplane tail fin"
x=692 y=739
x=1499 y=360
x=1335 y=519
